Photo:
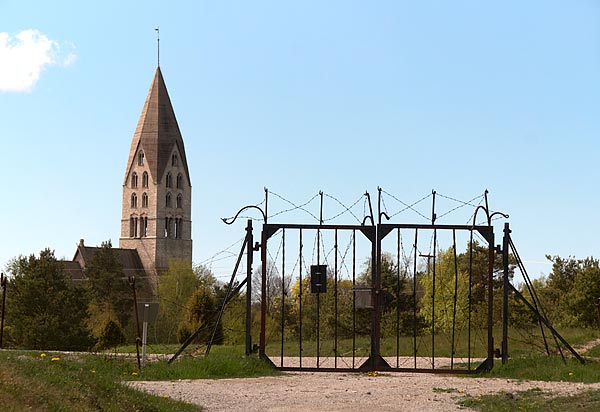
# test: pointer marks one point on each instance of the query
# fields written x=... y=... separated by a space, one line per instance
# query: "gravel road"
x=334 y=392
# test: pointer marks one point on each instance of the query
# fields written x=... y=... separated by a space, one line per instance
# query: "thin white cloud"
x=23 y=58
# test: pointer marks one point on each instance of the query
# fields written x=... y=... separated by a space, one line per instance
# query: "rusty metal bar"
x=335 y=301
x=398 y=299
x=388 y=226
x=415 y=298
x=282 y=295
x=455 y=297
x=433 y=297
x=505 y=282
x=249 y=261
x=300 y=299
x=353 y=298
x=490 y=315
x=470 y=302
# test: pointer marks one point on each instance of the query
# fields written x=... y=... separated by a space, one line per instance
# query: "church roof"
x=129 y=259
x=157 y=131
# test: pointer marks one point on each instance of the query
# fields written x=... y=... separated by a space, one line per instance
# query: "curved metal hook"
x=230 y=220
x=487 y=214
x=504 y=215
x=384 y=214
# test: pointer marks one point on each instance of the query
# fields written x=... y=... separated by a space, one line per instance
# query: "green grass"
x=31 y=382
x=547 y=368
x=521 y=342
x=541 y=368
x=84 y=382
x=534 y=400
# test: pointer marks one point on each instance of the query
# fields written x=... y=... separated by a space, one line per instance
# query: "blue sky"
x=339 y=96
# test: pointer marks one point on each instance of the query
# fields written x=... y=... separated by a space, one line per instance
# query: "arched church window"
x=169 y=180
x=143 y=226
x=141 y=158
x=133 y=226
x=145 y=179
x=174 y=160
x=179 y=181
x=145 y=200
x=168 y=200
x=134 y=180
x=133 y=201
x=168 y=221
x=179 y=201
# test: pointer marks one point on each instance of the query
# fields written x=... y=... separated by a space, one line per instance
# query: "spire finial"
x=158 y=44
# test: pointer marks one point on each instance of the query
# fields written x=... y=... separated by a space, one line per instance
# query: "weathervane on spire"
x=157 y=29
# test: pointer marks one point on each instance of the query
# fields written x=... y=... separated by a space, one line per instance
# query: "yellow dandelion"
x=93 y=371
x=43 y=355
x=570 y=373
x=55 y=358
x=166 y=396
x=134 y=373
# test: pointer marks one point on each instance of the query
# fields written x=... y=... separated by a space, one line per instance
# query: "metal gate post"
x=375 y=299
x=249 y=259
x=505 y=282
x=490 y=317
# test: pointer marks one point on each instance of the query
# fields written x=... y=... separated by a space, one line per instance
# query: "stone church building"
x=156 y=224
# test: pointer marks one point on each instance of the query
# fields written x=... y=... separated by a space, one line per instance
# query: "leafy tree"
x=111 y=335
x=45 y=309
x=583 y=294
x=449 y=282
x=201 y=309
x=175 y=287
x=397 y=308
x=109 y=289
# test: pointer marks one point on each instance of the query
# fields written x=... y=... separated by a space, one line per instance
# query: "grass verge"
x=534 y=400
x=540 y=368
x=65 y=382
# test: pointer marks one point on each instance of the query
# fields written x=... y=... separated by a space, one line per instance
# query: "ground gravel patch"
x=332 y=392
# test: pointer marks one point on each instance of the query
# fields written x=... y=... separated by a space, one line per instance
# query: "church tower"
x=157 y=191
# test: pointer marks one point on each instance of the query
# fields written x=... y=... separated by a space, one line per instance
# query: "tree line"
x=46 y=309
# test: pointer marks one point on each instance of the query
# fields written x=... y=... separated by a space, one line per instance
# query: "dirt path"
x=334 y=392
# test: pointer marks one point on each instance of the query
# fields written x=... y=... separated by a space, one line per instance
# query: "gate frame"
x=376 y=233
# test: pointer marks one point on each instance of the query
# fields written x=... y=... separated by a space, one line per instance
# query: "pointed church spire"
x=157 y=131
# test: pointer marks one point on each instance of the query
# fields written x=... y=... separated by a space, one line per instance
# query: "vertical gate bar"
x=335 y=297
x=318 y=327
x=505 y=286
x=282 y=293
x=249 y=261
x=415 y=299
x=319 y=292
x=433 y=217
x=433 y=299
x=490 y=318
x=375 y=299
x=353 y=297
x=300 y=301
x=398 y=301
x=454 y=299
x=263 y=294
x=470 y=301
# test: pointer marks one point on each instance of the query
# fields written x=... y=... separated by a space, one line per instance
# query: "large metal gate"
x=377 y=297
